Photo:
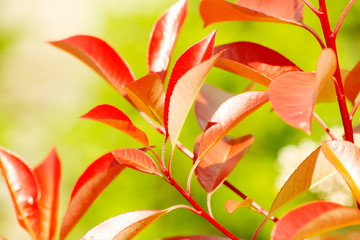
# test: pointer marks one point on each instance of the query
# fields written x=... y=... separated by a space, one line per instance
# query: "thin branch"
x=342 y=17
x=208 y=202
x=312 y=8
x=312 y=31
x=323 y=125
x=353 y=111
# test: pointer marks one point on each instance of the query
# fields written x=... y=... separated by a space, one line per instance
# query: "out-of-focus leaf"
x=87 y=188
x=352 y=83
x=292 y=96
x=312 y=171
x=314 y=218
x=98 y=55
x=345 y=156
x=48 y=174
x=191 y=58
x=163 y=37
x=136 y=159
x=112 y=116
x=125 y=226
x=147 y=94
x=207 y=101
x=284 y=11
x=23 y=188
x=220 y=160
x=254 y=61
x=233 y=205
x=228 y=115
x=196 y=237
x=326 y=67
x=179 y=101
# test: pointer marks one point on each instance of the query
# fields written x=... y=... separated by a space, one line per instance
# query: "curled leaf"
x=136 y=159
x=314 y=218
x=345 y=156
x=98 y=55
x=228 y=115
x=254 y=61
x=213 y=11
x=87 y=188
x=112 y=116
x=163 y=37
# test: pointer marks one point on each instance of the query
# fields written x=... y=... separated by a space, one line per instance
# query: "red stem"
x=330 y=39
x=200 y=211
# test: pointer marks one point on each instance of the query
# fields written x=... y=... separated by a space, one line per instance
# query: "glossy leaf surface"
x=345 y=156
x=196 y=237
x=125 y=226
x=352 y=83
x=87 y=188
x=292 y=96
x=23 y=188
x=48 y=175
x=220 y=160
x=147 y=94
x=98 y=55
x=112 y=116
x=314 y=218
x=213 y=11
x=164 y=36
x=191 y=58
x=254 y=61
x=312 y=171
x=136 y=159
x=228 y=115
x=208 y=101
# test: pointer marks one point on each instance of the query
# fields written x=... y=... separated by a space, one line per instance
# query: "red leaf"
x=112 y=116
x=196 y=237
x=23 y=189
x=194 y=56
x=228 y=115
x=163 y=37
x=292 y=96
x=220 y=160
x=87 y=188
x=345 y=156
x=207 y=101
x=48 y=174
x=125 y=226
x=98 y=55
x=254 y=61
x=147 y=94
x=314 y=218
x=352 y=83
x=136 y=159
x=213 y=11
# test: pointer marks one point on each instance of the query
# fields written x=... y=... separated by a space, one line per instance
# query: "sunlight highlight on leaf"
x=314 y=218
x=233 y=205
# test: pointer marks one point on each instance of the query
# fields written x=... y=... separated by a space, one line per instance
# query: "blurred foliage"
x=79 y=142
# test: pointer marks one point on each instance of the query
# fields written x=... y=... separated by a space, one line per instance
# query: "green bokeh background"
x=43 y=91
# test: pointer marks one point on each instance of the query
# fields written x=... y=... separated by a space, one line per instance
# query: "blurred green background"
x=43 y=91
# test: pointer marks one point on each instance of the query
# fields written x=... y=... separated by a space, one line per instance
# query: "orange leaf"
x=314 y=218
x=163 y=37
x=228 y=115
x=345 y=156
x=148 y=95
x=112 y=116
x=196 y=237
x=48 y=175
x=213 y=11
x=87 y=188
x=220 y=160
x=136 y=159
x=98 y=55
x=254 y=61
x=352 y=83
x=233 y=205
